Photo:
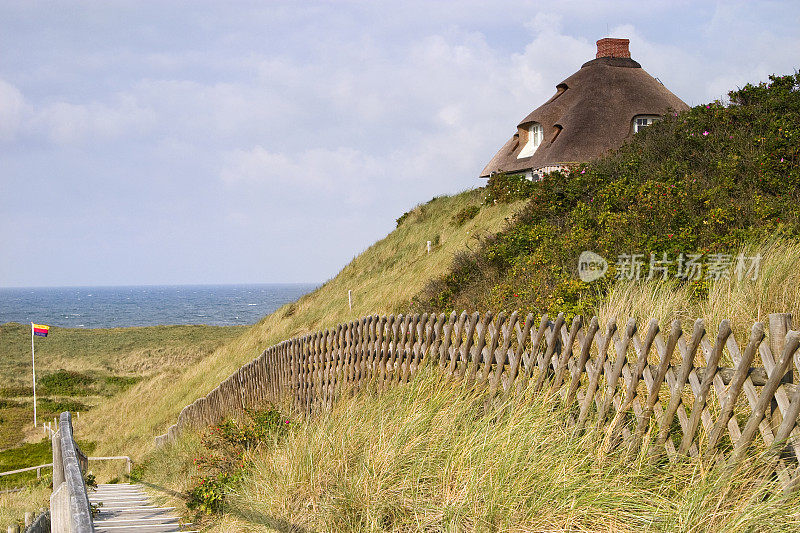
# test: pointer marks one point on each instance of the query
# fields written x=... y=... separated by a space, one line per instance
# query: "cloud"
x=65 y=123
x=343 y=174
x=549 y=58
x=12 y=108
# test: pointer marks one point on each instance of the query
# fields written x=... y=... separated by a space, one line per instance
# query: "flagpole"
x=33 y=366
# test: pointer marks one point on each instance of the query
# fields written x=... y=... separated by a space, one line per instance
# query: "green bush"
x=506 y=188
x=403 y=218
x=227 y=446
x=55 y=407
x=419 y=212
x=66 y=383
x=467 y=213
x=17 y=390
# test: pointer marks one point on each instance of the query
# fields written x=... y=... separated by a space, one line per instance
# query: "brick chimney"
x=609 y=47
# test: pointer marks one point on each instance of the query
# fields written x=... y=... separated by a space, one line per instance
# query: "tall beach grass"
x=742 y=300
x=436 y=456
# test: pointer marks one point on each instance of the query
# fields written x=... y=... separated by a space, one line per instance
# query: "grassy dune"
x=385 y=276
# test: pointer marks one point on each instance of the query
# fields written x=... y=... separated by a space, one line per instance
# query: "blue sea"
x=112 y=307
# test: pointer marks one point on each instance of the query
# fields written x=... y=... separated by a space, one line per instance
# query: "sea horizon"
x=108 y=306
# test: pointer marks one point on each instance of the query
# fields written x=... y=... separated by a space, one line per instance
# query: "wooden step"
x=126 y=508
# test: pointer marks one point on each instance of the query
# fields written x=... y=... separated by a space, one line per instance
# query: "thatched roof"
x=591 y=113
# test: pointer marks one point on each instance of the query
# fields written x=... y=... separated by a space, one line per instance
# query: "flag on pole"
x=40 y=330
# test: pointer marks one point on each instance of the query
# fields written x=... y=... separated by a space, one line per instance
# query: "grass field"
x=79 y=368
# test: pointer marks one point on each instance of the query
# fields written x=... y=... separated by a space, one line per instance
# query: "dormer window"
x=535 y=135
x=642 y=121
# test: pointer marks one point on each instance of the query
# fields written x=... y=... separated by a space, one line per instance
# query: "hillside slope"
x=382 y=279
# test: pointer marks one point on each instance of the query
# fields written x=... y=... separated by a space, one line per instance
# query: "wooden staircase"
x=125 y=507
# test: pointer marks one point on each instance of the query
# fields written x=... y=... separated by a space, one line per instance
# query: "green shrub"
x=467 y=213
x=122 y=382
x=66 y=383
x=227 y=446
x=114 y=384
x=403 y=218
x=506 y=188
x=419 y=212
x=54 y=407
x=17 y=390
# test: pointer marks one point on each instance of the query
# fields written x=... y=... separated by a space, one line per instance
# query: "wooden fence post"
x=779 y=326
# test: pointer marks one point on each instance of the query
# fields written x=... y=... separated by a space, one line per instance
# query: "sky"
x=166 y=142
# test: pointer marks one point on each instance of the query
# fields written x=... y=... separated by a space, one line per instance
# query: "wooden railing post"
x=58 y=464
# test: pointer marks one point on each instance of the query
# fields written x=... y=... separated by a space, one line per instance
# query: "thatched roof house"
x=595 y=110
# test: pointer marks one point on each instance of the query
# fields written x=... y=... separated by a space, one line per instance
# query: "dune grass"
x=14 y=505
x=436 y=456
x=381 y=279
x=776 y=289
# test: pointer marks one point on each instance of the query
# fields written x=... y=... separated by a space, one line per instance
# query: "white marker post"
x=429 y=246
x=33 y=367
x=350 y=299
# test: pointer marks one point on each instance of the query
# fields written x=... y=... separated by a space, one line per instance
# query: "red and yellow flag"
x=40 y=330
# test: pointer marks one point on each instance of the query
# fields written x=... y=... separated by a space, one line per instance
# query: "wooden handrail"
x=27 y=469
x=50 y=465
x=69 y=504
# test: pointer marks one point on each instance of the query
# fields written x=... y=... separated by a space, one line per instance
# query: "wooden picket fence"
x=728 y=398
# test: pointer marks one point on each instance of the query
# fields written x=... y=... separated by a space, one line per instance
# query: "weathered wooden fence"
x=725 y=395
